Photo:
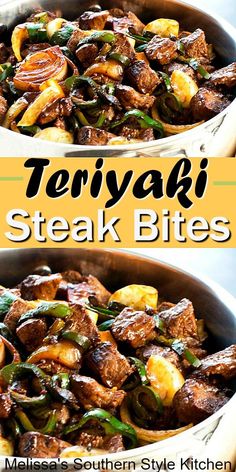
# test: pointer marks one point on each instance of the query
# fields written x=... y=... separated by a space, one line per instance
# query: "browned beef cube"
x=207 y=103
x=88 y=287
x=91 y=394
x=55 y=110
x=142 y=77
x=90 y=136
x=75 y=38
x=225 y=76
x=179 y=321
x=134 y=327
x=93 y=20
x=195 y=44
x=164 y=50
x=165 y=306
x=130 y=98
x=81 y=322
x=3 y=108
x=123 y=46
x=121 y=22
x=40 y=287
x=221 y=363
x=86 y=54
x=35 y=445
x=109 y=443
x=4 y=53
x=109 y=365
x=72 y=276
x=31 y=333
x=197 y=400
x=130 y=132
x=149 y=350
x=18 y=308
x=5 y=405
x=32 y=48
x=169 y=68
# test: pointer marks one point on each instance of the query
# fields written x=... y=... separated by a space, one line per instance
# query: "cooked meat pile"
x=83 y=368
x=106 y=78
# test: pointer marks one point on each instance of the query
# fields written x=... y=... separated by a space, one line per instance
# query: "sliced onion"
x=41 y=66
x=2 y=354
x=54 y=26
x=63 y=352
x=173 y=129
x=15 y=109
x=149 y=436
x=15 y=354
x=51 y=92
x=19 y=35
x=57 y=135
x=110 y=68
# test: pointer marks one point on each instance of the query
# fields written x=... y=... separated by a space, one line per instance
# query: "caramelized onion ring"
x=173 y=129
x=39 y=67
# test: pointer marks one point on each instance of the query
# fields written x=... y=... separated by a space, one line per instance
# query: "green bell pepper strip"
x=54 y=309
x=141 y=48
x=62 y=378
x=124 y=60
x=159 y=323
x=5 y=332
x=58 y=387
x=83 y=120
x=105 y=325
x=14 y=428
x=62 y=36
x=140 y=367
x=166 y=80
x=103 y=312
x=11 y=372
x=116 y=307
x=81 y=341
x=49 y=427
x=178 y=346
x=6 y=70
x=37 y=33
x=145 y=410
x=29 y=402
x=85 y=104
x=169 y=105
x=100 y=36
x=30 y=130
x=110 y=424
x=6 y=300
x=138 y=37
x=77 y=80
x=195 y=66
x=144 y=121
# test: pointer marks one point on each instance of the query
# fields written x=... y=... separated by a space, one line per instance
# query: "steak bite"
x=89 y=136
x=164 y=50
x=142 y=77
x=197 y=400
x=195 y=45
x=149 y=350
x=222 y=363
x=224 y=77
x=88 y=287
x=90 y=394
x=81 y=322
x=121 y=21
x=31 y=333
x=37 y=445
x=133 y=327
x=110 y=443
x=40 y=287
x=130 y=98
x=75 y=38
x=207 y=103
x=93 y=20
x=123 y=46
x=179 y=321
x=86 y=54
x=109 y=365
x=169 y=68
x=129 y=132
x=18 y=308
x=5 y=405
